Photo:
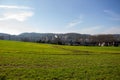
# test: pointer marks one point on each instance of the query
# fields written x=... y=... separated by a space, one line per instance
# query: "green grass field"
x=33 y=61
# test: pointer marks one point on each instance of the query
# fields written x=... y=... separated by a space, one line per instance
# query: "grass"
x=32 y=61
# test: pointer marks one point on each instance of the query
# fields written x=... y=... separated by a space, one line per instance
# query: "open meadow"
x=34 y=61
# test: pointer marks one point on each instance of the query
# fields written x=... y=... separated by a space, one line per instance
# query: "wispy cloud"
x=112 y=30
x=91 y=30
x=15 y=27
x=14 y=7
x=19 y=13
x=101 y=30
x=75 y=22
x=19 y=16
x=113 y=15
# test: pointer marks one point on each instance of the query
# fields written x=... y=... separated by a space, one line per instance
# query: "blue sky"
x=60 y=16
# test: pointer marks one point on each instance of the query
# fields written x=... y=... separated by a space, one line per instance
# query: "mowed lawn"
x=34 y=61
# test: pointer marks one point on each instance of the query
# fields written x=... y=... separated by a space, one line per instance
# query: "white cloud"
x=14 y=27
x=75 y=22
x=91 y=30
x=14 y=7
x=19 y=13
x=112 y=30
x=113 y=15
x=12 y=19
x=100 y=30
x=19 y=16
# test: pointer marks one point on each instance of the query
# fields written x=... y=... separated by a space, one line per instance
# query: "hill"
x=66 y=39
x=25 y=60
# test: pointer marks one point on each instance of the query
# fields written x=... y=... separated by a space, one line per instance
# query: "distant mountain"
x=67 y=39
x=4 y=34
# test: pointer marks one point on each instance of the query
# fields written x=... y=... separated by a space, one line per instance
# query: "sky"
x=60 y=16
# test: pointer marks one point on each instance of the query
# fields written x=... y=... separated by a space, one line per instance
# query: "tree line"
x=66 y=39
